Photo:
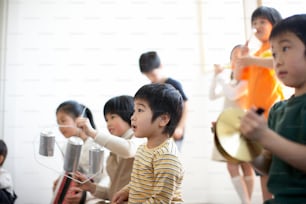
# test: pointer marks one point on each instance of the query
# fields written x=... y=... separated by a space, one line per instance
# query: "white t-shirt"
x=6 y=181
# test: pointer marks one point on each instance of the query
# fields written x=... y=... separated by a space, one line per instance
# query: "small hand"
x=245 y=49
x=85 y=126
x=120 y=196
x=218 y=69
x=178 y=134
x=253 y=125
x=74 y=195
x=86 y=186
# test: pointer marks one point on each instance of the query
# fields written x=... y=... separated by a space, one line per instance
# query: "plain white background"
x=55 y=50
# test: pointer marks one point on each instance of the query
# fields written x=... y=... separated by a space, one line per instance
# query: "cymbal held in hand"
x=229 y=141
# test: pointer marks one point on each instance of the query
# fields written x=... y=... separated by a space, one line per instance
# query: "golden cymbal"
x=226 y=156
x=229 y=141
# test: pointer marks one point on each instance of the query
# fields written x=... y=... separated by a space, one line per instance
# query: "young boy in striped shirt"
x=157 y=170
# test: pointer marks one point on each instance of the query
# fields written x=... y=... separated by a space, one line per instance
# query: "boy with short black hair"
x=285 y=134
x=157 y=170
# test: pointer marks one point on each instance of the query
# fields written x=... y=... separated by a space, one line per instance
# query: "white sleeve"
x=234 y=92
x=6 y=181
x=213 y=94
x=125 y=148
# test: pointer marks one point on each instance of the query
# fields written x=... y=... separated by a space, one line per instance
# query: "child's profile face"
x=68 y=124
x=116 y=125
x=289 y=60
x=263 y=28
x=141 y=119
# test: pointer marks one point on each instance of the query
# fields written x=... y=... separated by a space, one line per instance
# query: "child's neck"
x=124 y=132
x=156 y=141
x=300 y=91
x=162 y=79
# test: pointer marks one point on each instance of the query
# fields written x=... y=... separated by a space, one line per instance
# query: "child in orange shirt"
x=264 y=89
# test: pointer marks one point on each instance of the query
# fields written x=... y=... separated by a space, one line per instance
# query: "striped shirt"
x=157 y=175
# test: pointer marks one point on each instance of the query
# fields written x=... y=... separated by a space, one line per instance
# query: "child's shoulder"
x=3 y=171
x=168 y=148
x=170 y=80
x=168 y=156
x=5 y=177
x=278 y=105
x=296 y=102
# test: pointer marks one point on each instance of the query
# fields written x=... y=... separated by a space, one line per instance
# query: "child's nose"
x=277 y=61
x=133 y=117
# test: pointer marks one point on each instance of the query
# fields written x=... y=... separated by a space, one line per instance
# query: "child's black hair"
x=3 y=151
x=163 y=99
x=75 y=109
x=121 y=105
x=149 y=61
x=295 y=24
x=269 y=13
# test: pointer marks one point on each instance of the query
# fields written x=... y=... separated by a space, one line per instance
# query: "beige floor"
x=206 y=181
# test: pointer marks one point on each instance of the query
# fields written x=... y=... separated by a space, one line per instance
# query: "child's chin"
x=137 y=135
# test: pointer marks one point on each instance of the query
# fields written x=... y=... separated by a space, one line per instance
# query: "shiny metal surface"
x=231 y=144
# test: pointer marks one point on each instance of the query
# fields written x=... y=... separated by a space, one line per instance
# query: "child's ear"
x=164 y=120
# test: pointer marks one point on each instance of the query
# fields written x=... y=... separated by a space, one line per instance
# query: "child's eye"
x=139 y=110
x=285 y=48
x=263 y=22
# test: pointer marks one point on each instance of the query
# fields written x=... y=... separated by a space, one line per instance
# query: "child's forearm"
x=184 y=115
x=125 y=148
x=262 y=62
x=92 y=188
x=262 y=162
x=290 y=152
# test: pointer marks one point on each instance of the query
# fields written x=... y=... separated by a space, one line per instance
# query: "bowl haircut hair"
x=3 y=151
x=149 y=61
x=295 y=24
x=163 y=99
x=121 y=105
x=269 y=13
x=75 y=109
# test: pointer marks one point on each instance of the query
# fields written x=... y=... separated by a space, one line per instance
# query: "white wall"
x=286 y=7
x=88 y=51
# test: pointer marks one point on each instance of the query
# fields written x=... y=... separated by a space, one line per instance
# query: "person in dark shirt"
x=150 y=65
